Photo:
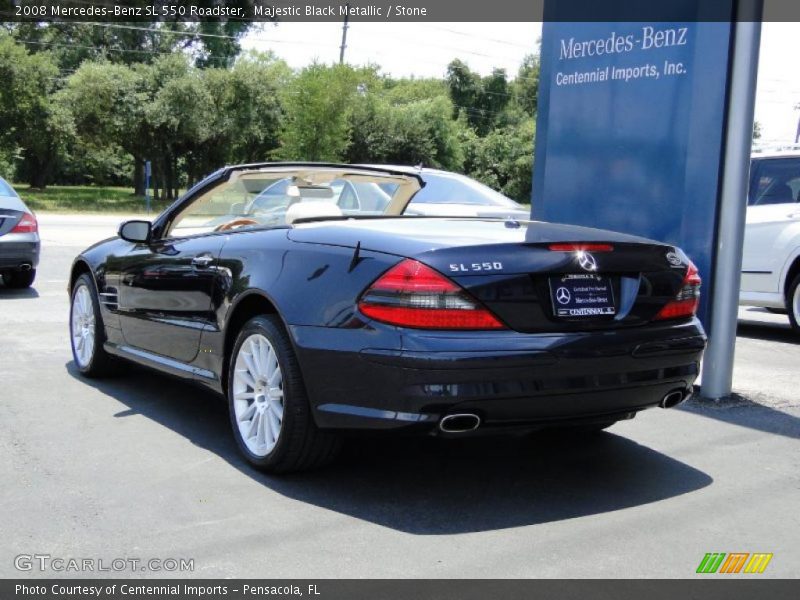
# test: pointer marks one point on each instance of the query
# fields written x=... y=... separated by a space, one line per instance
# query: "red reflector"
x=687 y=301
x=27 y=224
x=432 y=318
x=411 y=294
x=581 y=247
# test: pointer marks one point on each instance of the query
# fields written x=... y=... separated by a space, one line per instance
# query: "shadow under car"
x=432 y=486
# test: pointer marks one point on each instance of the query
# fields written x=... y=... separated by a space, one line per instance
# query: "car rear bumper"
x=508 y=379
x=18 y=250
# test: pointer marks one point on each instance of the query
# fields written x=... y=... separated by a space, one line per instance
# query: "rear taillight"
x=27 y=224
x=686 y=302
x=411 y=294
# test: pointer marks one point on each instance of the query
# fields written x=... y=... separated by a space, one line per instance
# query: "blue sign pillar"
x=148 y=170
x=631 y=127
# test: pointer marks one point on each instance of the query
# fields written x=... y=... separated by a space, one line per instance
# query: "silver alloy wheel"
x=83 y=325
x=258 y=394
x=795 y=307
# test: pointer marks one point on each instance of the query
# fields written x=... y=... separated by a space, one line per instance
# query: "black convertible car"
x=341 y=318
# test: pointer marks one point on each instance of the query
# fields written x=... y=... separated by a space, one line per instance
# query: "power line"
x=201 y=34
x=473 y=36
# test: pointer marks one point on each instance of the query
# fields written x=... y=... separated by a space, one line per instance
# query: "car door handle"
x=202 y=262
x=794 y=215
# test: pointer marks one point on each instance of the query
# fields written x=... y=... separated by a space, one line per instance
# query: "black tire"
x=18 y=280
x=300 y=445
x=101 y=362
x=793 y=303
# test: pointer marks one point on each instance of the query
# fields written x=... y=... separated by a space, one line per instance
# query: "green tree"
x=483 y=100
x=109 y=107
x=317 y=103
x=32 y=122
x=503 y=160
x=419 y=132
x=525 y=87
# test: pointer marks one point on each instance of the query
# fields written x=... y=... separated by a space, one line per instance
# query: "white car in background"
x=771 y=259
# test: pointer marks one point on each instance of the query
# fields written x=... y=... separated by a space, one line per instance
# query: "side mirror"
x=137 y=232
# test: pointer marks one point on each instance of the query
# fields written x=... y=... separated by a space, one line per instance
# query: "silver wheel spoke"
x=246 y=378
x=275 y=378
x=249 y=360
x=269 y=432
x=247 y=413
x=277 y=409
x=261 y=434
x=253 y=431
x=274 y=424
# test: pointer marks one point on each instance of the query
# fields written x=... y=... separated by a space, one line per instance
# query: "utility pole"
x=344 y=33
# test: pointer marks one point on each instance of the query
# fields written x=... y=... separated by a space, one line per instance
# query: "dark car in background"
x=330 y=320
x=19 y=239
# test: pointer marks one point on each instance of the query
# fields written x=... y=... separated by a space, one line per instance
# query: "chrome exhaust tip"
x=673 y=398
x=459 y=423
x=25 y=267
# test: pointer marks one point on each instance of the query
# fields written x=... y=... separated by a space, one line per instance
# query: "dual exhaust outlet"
x=673 y=398
x=459 y=423
x=464 y=422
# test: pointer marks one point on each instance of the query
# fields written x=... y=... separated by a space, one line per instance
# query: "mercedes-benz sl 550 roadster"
x=313 y=312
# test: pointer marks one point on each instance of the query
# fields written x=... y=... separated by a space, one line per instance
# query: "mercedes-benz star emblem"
x=587 y=261
x=562 y=295
x=674 y=259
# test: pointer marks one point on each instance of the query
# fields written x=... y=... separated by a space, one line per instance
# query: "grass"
x=85 y=198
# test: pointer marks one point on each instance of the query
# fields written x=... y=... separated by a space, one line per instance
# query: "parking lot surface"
x=144 y=466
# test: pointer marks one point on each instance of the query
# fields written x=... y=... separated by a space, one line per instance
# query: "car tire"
x=269 y=409
x=793 y=303
x=87 y=334
x=18 y=280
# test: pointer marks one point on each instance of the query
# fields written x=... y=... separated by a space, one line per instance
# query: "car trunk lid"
x=517 y=269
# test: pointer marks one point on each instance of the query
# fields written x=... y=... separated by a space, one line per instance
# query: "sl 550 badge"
x=482 y=266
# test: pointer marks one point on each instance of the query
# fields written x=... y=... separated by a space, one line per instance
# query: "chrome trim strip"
x=166 y=362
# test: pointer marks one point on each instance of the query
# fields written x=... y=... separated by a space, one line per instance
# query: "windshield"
x=456 y=189
x=258 y=198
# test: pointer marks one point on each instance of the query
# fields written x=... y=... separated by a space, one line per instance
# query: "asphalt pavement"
x=143 y=466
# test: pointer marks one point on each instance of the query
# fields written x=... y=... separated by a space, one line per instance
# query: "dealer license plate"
x=582 y=295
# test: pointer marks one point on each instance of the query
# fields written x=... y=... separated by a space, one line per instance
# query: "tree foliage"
x=92 y=104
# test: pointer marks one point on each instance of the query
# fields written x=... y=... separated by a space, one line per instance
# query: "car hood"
x=409 y=236
x=769 y=213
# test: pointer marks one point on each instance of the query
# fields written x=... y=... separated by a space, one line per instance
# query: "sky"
x=425 y=49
